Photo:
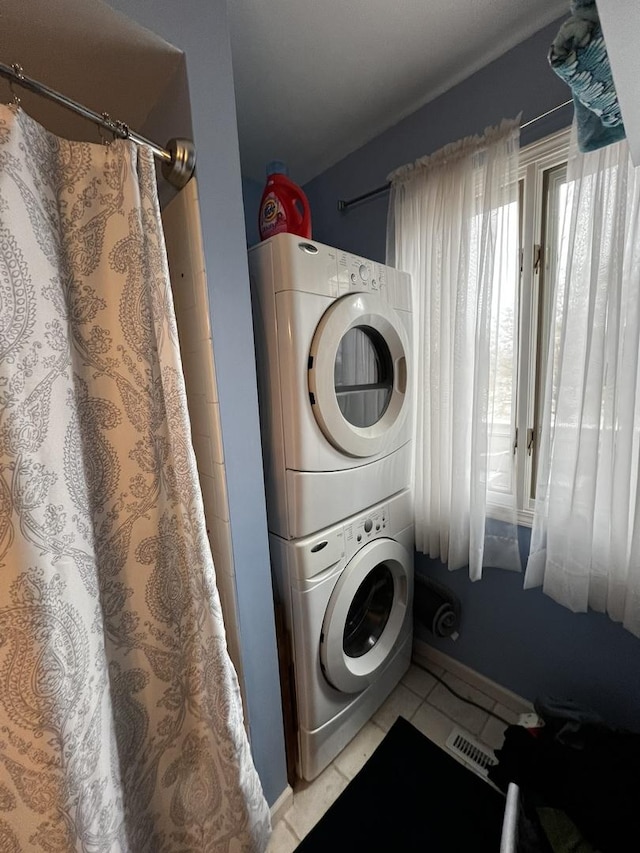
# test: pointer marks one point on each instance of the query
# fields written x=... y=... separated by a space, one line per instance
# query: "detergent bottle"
x=284 y=206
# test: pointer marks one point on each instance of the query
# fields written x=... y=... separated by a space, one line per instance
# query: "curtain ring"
x=18 y=70
x=101 y=129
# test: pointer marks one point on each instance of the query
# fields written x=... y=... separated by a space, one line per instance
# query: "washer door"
x=366 y=615
x=358 y=374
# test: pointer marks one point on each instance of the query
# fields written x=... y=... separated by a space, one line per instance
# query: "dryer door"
x=368 y=613
x=358 y=374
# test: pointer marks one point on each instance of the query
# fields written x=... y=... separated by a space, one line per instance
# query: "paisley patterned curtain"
x=121 y=723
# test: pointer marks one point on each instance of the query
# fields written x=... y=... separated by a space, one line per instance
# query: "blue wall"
x=521 y=639
x=200 y=29
x=251 y=194
x=520 y=81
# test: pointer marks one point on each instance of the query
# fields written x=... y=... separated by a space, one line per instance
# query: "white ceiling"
x=316 y=79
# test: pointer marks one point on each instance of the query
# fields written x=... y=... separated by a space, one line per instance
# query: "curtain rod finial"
x=183 y=162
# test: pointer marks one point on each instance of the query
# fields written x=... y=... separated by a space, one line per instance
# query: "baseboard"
x=426 y=654
x=282 y=804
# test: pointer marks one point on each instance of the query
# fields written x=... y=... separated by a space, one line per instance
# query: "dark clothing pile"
x=579 y=782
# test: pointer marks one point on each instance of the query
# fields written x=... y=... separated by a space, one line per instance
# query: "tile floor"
x=431 y=708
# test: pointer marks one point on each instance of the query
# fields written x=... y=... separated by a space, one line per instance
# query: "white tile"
x=469 y=691
x=282 y=839
x=208 y=496
x=202 y=449
x=516 y=704
x=192 y=380
x=432 y=723
x=468 y=716
x=281 y=805
x=222 y=560
x=493 y=731
x=220 y=485
x=419 y=681
x=312 y=799
x=214 y=493
x=198 y=413
x=193 y=330
x=233 y=647
x=401 y=703
x=208 y=372
x=217 y=450
x=227 y=593
x=359 y=750
x=202 y=299
x=197 y=364
x=426 y=654
x=181 y=281
x=220 y=537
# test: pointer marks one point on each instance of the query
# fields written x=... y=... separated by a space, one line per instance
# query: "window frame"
x=535 y=161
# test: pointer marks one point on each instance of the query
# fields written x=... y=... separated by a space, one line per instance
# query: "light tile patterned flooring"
x=431 y=708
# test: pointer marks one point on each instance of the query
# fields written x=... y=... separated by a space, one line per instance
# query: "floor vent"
x=477 y=756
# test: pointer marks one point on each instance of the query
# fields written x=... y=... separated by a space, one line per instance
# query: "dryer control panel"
x=356 y=273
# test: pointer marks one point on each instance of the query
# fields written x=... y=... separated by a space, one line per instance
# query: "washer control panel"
x=367 y=526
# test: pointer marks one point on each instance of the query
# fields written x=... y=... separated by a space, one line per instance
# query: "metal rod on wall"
x=345 y=205
x=178 y=158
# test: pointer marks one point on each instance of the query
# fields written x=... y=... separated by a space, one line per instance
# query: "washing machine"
x=334 y=362
x=347 y=598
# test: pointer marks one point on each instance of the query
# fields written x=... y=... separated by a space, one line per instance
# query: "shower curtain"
x=121 y=725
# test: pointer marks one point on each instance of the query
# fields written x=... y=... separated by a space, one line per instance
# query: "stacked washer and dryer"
x=333 y=338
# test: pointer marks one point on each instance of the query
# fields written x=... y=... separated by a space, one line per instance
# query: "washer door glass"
x=358 y=374
x=369 y=612
x=368 y=615
x=363 y=376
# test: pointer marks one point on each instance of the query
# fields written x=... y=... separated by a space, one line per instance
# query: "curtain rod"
x=178 y=158
x=345 y=205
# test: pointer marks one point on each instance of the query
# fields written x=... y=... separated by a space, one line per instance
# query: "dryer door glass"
x=363 y=376
x=369 y=612
x=358 y=375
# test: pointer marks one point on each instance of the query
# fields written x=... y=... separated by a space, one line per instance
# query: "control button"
x=309 y=248
x=368 y=525
x=364 y=272
x=374 y=284
x=353 y=277
x=377 y=527
x=359 y=537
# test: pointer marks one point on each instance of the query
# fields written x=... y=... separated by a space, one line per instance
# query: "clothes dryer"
x=333 y=335
x=347 y=597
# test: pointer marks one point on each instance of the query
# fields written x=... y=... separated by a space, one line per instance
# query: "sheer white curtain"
x=585 y=547
x=453 y=225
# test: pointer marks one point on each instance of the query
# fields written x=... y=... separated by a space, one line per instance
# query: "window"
x=543 y=192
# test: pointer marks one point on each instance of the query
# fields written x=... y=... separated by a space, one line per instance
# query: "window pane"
x=504 y=312
x=555 y=247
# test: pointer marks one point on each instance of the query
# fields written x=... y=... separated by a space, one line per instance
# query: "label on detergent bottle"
x=273 y=217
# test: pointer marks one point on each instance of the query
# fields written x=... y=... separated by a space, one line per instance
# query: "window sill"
x=524 y=517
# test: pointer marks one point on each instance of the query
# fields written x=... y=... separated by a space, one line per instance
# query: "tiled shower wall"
x=183 y=237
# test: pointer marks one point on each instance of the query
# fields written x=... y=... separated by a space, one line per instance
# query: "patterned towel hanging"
x=579 y=56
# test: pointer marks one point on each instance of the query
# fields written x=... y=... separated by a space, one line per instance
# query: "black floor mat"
x=410 y=796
